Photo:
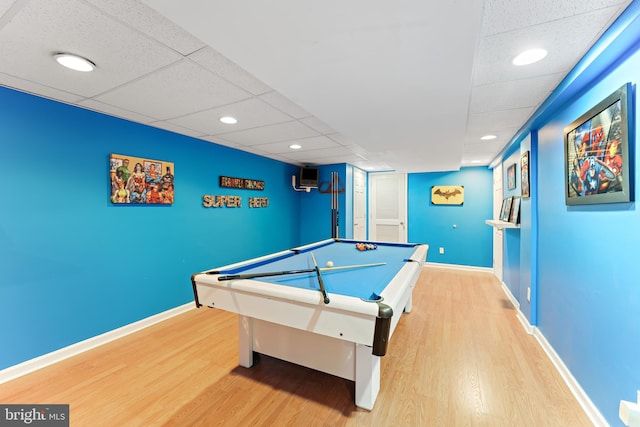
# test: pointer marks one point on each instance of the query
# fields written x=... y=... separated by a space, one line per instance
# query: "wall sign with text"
x=241 y=183
x=213 y=201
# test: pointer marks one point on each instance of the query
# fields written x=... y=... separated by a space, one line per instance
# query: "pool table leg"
x=408 y=306
x=367 y=377
x=245 y=341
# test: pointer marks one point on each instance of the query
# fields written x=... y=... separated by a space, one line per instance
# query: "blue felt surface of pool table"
x=360 y=282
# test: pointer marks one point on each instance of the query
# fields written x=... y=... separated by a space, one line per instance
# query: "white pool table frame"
x=295 y=325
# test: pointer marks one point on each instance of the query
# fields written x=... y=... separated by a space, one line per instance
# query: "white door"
x=388 y=207
x=359 y=204
x=498 y=234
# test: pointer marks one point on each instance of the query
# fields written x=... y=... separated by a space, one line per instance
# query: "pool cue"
x=285 y=272
x=323 y=290
x=345 y=267
x=264 y=274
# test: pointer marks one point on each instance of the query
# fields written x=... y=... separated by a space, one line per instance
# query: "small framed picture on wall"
x=511 y=177
x=524 y=174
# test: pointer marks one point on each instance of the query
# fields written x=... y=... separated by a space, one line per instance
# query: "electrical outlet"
x=441 y=251
x=529 y=294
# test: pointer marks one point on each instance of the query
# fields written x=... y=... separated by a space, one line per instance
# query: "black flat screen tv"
x=309 y=177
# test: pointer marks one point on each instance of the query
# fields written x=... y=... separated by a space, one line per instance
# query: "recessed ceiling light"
x=488 y=137
x=74 y=62
x=295 y=146
x=529 y=56
x=475 y=161
x=228 y=120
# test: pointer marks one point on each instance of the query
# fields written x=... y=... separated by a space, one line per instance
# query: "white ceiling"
x=408 y=85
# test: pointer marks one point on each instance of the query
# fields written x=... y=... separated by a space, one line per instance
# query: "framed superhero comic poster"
x=137 y=180
x=597 y=152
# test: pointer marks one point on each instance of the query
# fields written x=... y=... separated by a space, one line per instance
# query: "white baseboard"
x=459 y=267
x=40 y=362
x=583 y=399
x=513 y=299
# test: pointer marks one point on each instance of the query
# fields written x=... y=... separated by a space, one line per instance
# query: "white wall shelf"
x=501 y=224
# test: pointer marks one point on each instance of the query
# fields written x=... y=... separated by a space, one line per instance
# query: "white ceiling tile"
x=310 y=159
x=282 y=159
x=484 y=153
x=119 y=52
x=341 y=139
x=495 y=53
x=174 y=91
x=493 y=146
x=250 y=113
x=146 y=20
x=175 y=128
x=514 y=94
x=503 y=136
x=354 y=69
x=317 y=124
x=317 y=145
x=114 y=111
x=506 y=15
x=485 y=123
x=218 y=64
x=253 y=150
x=273 y=133
x=285 y=105
x=38 y=89
x=319 y=154
x=5 y=5
x=219 y=140
x=259 y=152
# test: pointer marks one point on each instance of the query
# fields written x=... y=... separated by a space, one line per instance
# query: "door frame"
x=372 y=204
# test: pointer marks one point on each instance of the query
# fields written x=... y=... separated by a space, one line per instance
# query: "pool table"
x=288 y=317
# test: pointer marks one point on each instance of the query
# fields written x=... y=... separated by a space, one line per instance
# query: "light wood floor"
x=460 y=358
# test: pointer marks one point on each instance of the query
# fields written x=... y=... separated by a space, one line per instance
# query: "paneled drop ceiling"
x=409 y=85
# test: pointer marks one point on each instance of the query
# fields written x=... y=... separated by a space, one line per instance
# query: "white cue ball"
x=329 y=263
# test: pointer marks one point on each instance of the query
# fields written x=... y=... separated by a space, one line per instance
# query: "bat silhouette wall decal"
x=447 y=194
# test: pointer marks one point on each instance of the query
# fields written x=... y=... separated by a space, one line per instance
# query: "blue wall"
x=517 y=249
x=72 y=265
x=581 y=260
x=588 y=293
x=470 y=243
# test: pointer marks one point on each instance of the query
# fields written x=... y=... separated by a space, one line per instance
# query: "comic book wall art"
x=597 y=153
x=137 y=180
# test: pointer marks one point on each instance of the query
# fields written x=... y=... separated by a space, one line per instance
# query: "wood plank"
x=459 y=358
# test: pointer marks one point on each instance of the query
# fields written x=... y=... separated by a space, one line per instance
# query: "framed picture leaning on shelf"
x=514 y=216
x=505 y=212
